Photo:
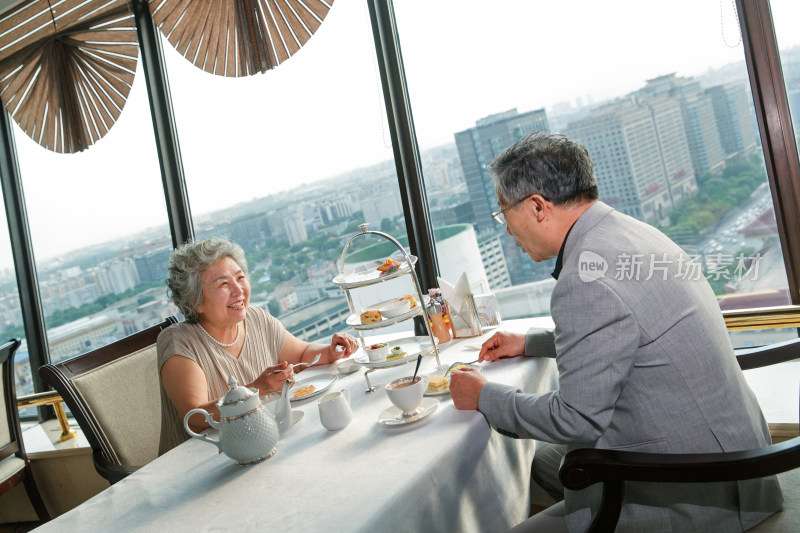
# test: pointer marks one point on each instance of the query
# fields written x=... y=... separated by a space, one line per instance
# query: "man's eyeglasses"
x=500 y=216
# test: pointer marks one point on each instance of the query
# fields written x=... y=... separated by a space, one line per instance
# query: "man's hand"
x=465 y=387
x=502 y=344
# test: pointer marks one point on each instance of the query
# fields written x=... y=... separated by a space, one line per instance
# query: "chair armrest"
x=584 y=467
x=770 y=354
x=112 y=472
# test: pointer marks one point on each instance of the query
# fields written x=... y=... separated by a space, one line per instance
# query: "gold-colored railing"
x=785 y=316
x=49 y=398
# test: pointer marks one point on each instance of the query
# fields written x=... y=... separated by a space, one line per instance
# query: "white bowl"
x=394 y=309
x=378 y=353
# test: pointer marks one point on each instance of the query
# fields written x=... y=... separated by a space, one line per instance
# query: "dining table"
x=448 y=471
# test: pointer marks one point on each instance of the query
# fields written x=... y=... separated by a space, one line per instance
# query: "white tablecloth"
x=447 y=472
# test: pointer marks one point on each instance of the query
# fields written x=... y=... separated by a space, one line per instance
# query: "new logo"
x=591 y=266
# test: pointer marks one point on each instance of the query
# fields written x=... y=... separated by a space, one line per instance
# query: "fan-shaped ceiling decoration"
x=66 y=68
x=238 y=37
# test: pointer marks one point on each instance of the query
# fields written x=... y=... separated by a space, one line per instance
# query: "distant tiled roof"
x=762 y=226
x=750 y=300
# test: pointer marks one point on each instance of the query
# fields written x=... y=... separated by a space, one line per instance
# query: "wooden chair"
x=15 y=468
x=584 y=467
x=114 y=394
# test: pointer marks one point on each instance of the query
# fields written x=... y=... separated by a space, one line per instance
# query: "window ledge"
x=44 y=440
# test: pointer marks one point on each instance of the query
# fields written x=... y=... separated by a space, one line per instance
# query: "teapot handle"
x=213 y=423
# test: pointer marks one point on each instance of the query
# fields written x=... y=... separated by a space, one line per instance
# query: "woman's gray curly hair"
x=186 y=266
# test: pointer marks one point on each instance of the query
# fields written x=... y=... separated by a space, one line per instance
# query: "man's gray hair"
x=186 y=266
x=547 y=164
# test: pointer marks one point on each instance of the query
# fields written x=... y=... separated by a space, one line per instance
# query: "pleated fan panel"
x=66 y=69
x=237 y=38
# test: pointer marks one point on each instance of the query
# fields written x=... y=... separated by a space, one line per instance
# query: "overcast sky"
x=321 y=113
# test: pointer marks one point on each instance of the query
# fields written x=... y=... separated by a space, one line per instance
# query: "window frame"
x=764 y=72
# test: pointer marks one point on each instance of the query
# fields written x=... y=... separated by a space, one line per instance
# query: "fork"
x=460 y=363
x=312 y=363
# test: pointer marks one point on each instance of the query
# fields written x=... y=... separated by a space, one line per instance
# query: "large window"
x=289 y=163
x=99 y=231
x=11 y=318
x=658 y=94
x=785 y=15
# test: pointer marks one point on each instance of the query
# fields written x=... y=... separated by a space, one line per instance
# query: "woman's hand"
x=270 y=380
x=348 y=344
x=502 y=344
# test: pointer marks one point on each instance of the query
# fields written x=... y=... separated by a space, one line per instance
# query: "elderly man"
x=644 y=358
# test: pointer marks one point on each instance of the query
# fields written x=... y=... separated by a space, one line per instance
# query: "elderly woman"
x=222 y=337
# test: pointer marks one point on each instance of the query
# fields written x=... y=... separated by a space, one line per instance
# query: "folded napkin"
x=455 y=296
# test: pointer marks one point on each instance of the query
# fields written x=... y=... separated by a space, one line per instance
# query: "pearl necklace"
x=238 y=334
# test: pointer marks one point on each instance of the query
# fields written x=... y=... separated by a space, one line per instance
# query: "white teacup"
x=334 y=410
x=405 y=395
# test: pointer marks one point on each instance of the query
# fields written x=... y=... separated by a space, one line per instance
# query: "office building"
x=477 y=147
x=295 y=227
x=641 y=156
x=734 y=120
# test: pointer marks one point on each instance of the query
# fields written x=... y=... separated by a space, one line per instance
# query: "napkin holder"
x=465 y=320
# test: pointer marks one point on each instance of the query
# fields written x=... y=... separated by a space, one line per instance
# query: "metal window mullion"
x=774 y=125
x=404 y=141
x=166 y=133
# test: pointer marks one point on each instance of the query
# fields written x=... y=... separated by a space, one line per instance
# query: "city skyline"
x=302 y=123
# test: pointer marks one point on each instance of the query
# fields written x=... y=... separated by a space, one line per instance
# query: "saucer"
x=347 y=366
x=394 y=416
x=297 y=416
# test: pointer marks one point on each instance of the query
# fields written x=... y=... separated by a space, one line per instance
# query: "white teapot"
x=278 y=405
x=248 y=431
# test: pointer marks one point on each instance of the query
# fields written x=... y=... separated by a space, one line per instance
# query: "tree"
x=274 y=307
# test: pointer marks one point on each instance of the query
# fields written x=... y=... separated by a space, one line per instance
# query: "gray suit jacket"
x=645 y=363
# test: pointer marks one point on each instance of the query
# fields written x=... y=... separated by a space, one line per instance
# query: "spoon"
x=414 y=377
x=312 y=363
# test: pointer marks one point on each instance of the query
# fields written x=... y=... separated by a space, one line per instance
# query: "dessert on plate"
x=396 y=353
x=370 y=316
x=437 y=384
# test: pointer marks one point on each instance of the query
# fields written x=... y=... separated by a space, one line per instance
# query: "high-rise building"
x=122 y=275
x=699 y=122
x=478 y=146
x=732 y=107
x=640 y=153
x=494 y=261
x=333 y=209
x=152 y=265
x=295 y=227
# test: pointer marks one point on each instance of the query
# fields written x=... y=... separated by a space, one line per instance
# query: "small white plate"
x=368 y=273
x=321 y=383
x=413 y=346
x=440 y=392
x=354 y=320
x=394 y=416
x=297 y=416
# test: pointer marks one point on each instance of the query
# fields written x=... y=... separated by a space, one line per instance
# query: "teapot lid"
x=236 y=394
